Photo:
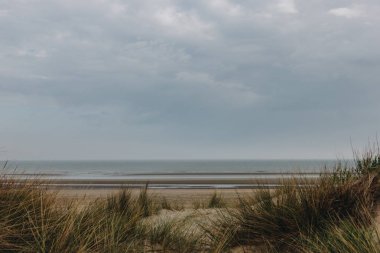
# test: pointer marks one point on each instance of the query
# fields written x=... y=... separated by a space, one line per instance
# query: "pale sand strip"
x=87 y=190
x=185 y=197
x=184 y=191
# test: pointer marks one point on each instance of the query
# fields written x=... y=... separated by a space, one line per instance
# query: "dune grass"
x=299 y=211
x=342 y=236
x=216 y=201
x=33 y=220
x=332 y=214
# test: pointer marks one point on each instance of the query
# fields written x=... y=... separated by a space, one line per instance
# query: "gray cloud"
x=180 y=79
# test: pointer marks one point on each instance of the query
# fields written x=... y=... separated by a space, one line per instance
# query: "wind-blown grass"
x=344 y=236
x=332 y=214
x=276 y=219
x=33 y=220
x=216 y=201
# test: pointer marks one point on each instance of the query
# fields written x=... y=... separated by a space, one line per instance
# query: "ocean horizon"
x=116 y=169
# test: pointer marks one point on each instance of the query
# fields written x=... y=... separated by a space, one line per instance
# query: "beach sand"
x=178 y=191
x=183 y=197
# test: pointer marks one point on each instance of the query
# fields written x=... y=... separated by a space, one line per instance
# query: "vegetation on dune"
x=344 y=236
x=216 y=201
x=277 y=219
x=282 y=220
x=333 y=214
x=32 y=219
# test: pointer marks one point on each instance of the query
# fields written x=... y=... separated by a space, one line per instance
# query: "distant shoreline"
x=168 y=174
x=175 y=180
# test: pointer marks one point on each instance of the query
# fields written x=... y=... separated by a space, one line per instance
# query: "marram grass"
x=333 y=214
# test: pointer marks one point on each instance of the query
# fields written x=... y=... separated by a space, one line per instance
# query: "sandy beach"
x=184 y=192
x=183 y=197
x=181 y=188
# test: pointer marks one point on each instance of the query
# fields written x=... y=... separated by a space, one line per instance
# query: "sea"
x=140 y=169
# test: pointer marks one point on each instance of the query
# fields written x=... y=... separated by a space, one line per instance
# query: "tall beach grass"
x=299 y=216
x=335 y=213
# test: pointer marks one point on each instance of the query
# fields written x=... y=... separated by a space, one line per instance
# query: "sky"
x=165 y=79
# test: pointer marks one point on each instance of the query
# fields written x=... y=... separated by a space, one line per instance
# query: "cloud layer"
x=187 y=79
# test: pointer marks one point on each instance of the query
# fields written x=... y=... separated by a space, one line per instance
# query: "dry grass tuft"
x=276 y=219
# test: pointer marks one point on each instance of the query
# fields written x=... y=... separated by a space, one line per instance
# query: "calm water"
x=141 y=169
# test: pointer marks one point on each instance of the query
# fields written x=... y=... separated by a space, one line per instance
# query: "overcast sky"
x=110 y=79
